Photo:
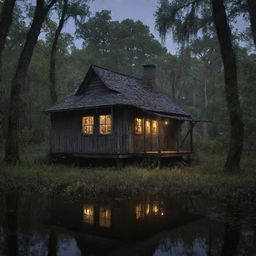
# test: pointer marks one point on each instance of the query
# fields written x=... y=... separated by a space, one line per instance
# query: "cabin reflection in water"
x=142 y=210
x=122 y=220
x=105 y=217
x=88 y=216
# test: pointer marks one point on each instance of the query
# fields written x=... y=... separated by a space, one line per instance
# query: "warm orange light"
x=155 y=209
x=105 y=124
x=147 y=209
x=88 y=214
x=87 y=124
x=139 y=211
x=138 y=125
x=147 y=127
x=105 y=217
x=154 y=127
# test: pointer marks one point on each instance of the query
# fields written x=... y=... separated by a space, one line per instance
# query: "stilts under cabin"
x=113 y=115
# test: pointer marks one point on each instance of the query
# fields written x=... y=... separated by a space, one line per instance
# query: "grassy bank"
x=205 y=178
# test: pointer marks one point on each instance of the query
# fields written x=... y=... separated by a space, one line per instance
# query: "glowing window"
x=147 y=209
x=105 y=217
x=138 y=125
x=154 y=127
x=105 y=124
x=87 y=124
x=148 y=127
x=139 y=211
x=155 y=209
x=88 y=214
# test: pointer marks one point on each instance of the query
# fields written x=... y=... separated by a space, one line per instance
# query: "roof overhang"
x=176 y=117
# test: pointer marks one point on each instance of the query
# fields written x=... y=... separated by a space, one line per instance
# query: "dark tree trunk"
x=53 y=244
x=11 y=200
x=53 y=93
x=231 y=88
x=252 y=14
x=205 y=129
x=12 y=139
x=232 y=231
x=5 y=23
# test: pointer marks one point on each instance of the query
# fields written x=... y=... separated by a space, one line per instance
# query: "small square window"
x=105 y=124
x=87 y=124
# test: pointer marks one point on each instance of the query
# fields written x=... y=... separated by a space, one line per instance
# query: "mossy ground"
x=203 y=178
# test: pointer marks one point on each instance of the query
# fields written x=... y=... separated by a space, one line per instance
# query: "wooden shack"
x=113 y=115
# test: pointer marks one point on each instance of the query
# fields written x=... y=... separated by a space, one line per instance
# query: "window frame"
x=93 y=125
x=88 y=217
x=104 y=220
x=157 y=128
x=148 y=129
x=111 y=124
x=142 y=126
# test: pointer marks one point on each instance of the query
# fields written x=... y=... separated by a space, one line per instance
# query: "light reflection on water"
x=37 y=225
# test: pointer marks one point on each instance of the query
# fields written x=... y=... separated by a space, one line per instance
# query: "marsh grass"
x=203 y=178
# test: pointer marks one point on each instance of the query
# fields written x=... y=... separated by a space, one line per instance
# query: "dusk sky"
x=142 y=10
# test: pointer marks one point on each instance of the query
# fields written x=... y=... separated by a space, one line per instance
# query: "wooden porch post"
x=158 y=138
x=144 y=133
x=178 y=138
x=191 y=136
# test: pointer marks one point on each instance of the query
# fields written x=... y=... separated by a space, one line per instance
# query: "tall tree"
x=19 y=79
x=119 y=45
x=53 y=93
x=252 y=15
x=186 y=18
x=5 y=23
x=66 y=9
x=232 y=94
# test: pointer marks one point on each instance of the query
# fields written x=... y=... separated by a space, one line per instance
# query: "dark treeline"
x=194 y=77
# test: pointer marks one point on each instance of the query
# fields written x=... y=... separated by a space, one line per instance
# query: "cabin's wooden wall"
x=67 y=137
x=166 y=138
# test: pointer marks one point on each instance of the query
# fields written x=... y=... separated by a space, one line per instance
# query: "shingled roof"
x=122 y=90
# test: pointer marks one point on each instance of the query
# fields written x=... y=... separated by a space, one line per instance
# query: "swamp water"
x=40 y=225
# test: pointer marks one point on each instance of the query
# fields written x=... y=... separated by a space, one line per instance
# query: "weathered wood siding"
x=67 y=137
x=167 y=137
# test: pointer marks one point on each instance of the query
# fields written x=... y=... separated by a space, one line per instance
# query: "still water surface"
x=39 y=225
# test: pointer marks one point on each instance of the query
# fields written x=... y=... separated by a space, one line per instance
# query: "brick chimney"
x=149 y=74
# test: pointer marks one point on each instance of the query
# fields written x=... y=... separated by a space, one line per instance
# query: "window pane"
x=88 y=214
x=105 y=217
x=147 y=127
x=138 y=125
x=154 y=127
x=108 y=119
x=102 y=120
x=87 y=124
x=105 y=124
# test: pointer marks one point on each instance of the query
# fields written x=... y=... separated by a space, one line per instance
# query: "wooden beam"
x=144 y=133
x=191 y=136
x=188 y=133
x=158 y=138
x=178 y=138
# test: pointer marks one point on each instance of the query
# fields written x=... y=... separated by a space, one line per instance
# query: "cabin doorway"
x=151 y=135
